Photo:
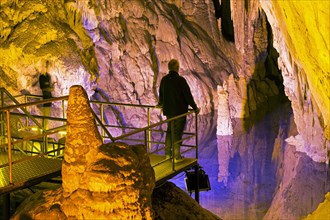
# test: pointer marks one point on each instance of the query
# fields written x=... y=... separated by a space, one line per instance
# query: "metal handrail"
x=151 y=126
x=21 y=106
x=18 y=105
x=146 y=129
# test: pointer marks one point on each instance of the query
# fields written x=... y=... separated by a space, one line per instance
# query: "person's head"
x=173 y=65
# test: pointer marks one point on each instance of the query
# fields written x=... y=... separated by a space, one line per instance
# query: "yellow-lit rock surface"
x=305 y=26
x=322 y=211
x=301 y=36
x=121 y=51
x=100 y=181
x=126 y=47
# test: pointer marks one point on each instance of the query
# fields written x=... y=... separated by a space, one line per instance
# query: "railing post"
x=149 y=131
x=172 y=143
x=9 y=147
x=2 y=99
x=45 y=144
x=2 y=117
x=197 y=183
x=102 y=121
x=145 y=139
x=63 y=110
x=196 y=135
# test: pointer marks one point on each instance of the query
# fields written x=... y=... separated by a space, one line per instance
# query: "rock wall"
x=301 y=36
x=100 y=181
x=106 y=181
x=118 y=51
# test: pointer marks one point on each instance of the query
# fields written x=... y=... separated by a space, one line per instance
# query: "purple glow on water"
x=247 y=169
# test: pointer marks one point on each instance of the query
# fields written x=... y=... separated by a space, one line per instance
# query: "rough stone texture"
x=224 y=126
x=167 y=202
x=100 y=181
x=302 y=41
x=296 y=167
x=35 y=31
x=120 y=49
x=322 y=211
x=106 y=181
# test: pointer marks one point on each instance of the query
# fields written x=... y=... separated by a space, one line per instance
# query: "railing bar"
x=9 y=148
x=158 y=150
x=146 y=129
x=160 y=162
x=19 y=105
x=40 y=116
x=51 y=131
x=101 y=124
x=183 y=152
x=151 y=126
x=30 y=158
x=22 y=106
x=122 y=104
x=191 y=146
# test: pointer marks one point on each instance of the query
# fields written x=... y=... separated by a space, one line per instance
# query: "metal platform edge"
x=31 y=182
x=161 y=181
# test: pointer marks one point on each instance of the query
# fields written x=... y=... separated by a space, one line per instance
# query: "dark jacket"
x=44 y=82
x=45 y=86
x=175 y=95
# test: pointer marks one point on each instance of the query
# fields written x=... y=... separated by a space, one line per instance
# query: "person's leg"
x=46 y=108
x=168 y=141
x=46 y=112
x=179 y=125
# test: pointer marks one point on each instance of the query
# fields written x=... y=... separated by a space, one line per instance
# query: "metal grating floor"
x=26 y=172
x=165 y=170
x=35 y=170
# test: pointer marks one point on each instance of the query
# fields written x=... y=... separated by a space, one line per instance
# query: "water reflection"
x=254 y=174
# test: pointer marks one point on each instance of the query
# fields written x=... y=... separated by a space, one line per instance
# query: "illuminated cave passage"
x=259 y=71
x=266 y=84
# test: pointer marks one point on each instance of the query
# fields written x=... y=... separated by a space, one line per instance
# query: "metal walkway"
x=30 y=172
x=166 y=170
x=27 y=171
x=22 y=164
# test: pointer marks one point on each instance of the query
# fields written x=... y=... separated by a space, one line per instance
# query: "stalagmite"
x=224 y=126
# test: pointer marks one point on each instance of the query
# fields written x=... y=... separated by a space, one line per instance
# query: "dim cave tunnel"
x=258 y=71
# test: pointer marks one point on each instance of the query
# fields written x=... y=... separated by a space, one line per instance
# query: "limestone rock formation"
x=302 y=38
x=119 y=49
x=171 y=203
x=322 y=211
x=293 y=187
x=106 y=181
x=100 y=181
x=224 y=126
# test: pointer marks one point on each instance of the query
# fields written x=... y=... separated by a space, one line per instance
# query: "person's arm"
x=161 y=94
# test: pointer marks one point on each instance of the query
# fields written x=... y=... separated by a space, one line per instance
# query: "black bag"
x=191 y=180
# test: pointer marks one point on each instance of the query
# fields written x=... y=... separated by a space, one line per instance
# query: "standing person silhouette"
x=174 y=98
x=46 y=88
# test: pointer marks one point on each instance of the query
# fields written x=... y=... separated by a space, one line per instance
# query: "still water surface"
x=254 y=167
